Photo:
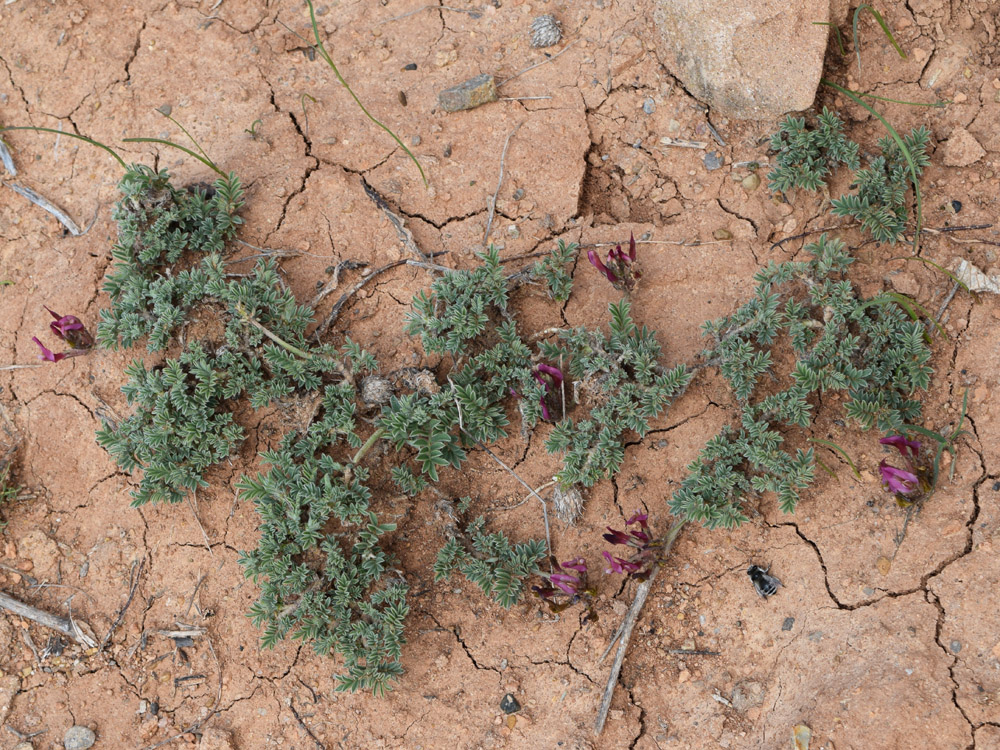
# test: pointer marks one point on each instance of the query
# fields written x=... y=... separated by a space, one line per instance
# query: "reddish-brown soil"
x=872 y=642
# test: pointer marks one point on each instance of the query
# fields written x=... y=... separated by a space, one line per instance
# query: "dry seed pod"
x=545 y=31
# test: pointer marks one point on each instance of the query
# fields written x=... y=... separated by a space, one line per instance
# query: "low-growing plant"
x=806 y=157
x=880 y=203
x=497 y=566
x=322 y=573
x=555 y=270
x=323 y=562
x=626 y=387
x=868 y=349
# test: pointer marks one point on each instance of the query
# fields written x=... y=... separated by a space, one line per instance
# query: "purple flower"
x=909 y=449
x=71 y=330
x=619 y=268
x=621 y=565
x=46 y=354
x=553 y=372
x=557 y=377
x=617 y=537
x=562 y=581
x=897 y=480
x=601 y=267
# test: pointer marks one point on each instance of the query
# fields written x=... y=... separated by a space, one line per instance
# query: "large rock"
x=747 y=59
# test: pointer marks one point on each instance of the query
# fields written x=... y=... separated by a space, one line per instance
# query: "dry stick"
x=404 y=234
x=537 y=65
x=194 y=511
x=19 y=367
x=493 y=200
x=7 y=162
x=779 y=243
x=133 y=585
x=947 y=301
x=302 y=724
x=331 y=317
x=334 y=281
x=642 y=591
x=41 y=202
x=54 y=622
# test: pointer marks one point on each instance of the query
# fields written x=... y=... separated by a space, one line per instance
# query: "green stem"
x=333 y=67
x=369 y=444
x=275 y=338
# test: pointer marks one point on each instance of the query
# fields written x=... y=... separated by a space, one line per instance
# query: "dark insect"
x=765 y=585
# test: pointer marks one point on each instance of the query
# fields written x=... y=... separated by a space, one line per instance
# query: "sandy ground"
x=873 y=642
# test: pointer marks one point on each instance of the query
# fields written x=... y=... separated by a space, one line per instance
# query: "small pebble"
x=410 y=66
x=509 y=704
x=722 y=234
x=24 y=746
x=955 y=647
x=649 y=106
x=713 y=160
x=751 y=182
x=956 y=206
x=165 y=109
x=447 y=150
x=788 y=623
x=79 y=738
x=415 y=140
x=518 y=194
x=469 y=94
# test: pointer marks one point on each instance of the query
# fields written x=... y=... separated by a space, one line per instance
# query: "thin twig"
x=6 y=160
x=692 y=652
x=201 y=579
x=404 y=234
x=44 y=203
x=545 y=505
x=19 y=367
x=193 y=502
x=334 y=281
x=472 y=13
x=642 y=591
x=537 y=65
x=307 y=730
x=493 y=200
x=60 y=624
x=947 y=301
x=133 y=585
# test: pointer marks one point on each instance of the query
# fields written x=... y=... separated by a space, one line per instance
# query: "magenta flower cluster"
x=620 y=267
x=70 y=329
x=548 y=377
x=567 y=578
x=900 y=481
x=640 y=563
